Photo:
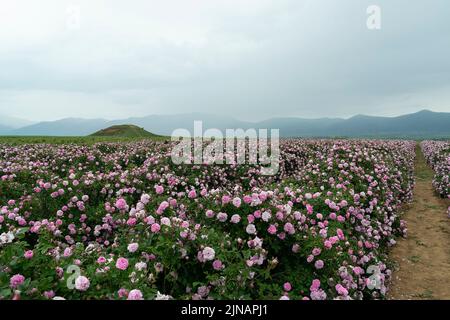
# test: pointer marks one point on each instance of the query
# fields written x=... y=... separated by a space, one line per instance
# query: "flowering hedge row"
x=121 y=221
x=437 y=155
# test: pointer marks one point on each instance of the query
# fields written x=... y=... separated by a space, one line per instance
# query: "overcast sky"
x=253 y=59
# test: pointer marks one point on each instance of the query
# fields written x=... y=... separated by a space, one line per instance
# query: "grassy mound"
x=125 y=130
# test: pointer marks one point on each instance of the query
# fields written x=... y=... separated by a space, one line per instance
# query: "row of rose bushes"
x=437 y=155
x=121 y=221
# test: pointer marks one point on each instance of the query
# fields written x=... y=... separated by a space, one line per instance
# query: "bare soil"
x=422 y=259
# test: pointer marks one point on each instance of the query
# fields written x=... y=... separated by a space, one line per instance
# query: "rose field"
x=437 y=154
x=119 y=220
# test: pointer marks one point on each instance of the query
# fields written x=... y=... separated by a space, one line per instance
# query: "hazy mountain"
x=4 y=129
x=165 y=124
x=63 y=127
x=13 y=122
x=298 y=127
x=423 y=124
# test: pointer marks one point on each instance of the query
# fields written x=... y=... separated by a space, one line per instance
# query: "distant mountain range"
x=422 y=124
x=10 y=123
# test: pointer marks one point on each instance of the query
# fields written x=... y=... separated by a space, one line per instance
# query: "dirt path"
x=423 y=259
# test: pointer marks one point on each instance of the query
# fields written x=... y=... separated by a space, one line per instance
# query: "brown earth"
x=422 y=260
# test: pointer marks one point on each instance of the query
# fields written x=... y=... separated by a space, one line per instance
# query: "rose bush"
x=121 y=221
x=437 y=155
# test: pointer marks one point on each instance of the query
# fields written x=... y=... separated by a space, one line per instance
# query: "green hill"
x=124 y=130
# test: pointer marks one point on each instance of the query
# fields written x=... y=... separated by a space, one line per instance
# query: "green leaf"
x=5 y=292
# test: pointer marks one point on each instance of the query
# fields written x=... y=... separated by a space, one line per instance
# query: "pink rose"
x=289 y=228
x=121 y=204
x=287 y=287
x=28 y=254
x=217 y=265
x=122 y=293
x=155 y=228
x=208 y=253
x=82 y=283
x=16 y=280
x=235 y=218
x=272 y=229
x=237 y=202
x=209 y=213
x=341 y=290
x=192 y=194
x=225 y=199
x=122 y=264
x=319 y=264
x=159 y=189
x=315 y=285
x=101 y=260
x=132 y=247
x=135 y=295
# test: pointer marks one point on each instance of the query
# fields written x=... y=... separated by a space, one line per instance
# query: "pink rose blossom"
x=122 y=264
x=217 y=265
x=208 y=253
x=82 y=283
x=121 y=204
x=16 y=280
x=133 y=247
x=159 y=189
x=101 y=260
x=235 y=218
x=192 y=194
x=287 y=287
x=225 y=199
x=28 y=254
x=319 y=264
x=135 y=294
x=341 y=290
x=155 y=228
x=122 y=293
x=272 y=229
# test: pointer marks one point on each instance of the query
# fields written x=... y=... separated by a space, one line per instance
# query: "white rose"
x=251 y=229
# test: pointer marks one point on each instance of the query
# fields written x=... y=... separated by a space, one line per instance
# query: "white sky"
x=253 y=59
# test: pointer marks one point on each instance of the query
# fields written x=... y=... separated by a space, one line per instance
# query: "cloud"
x=251 y=58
